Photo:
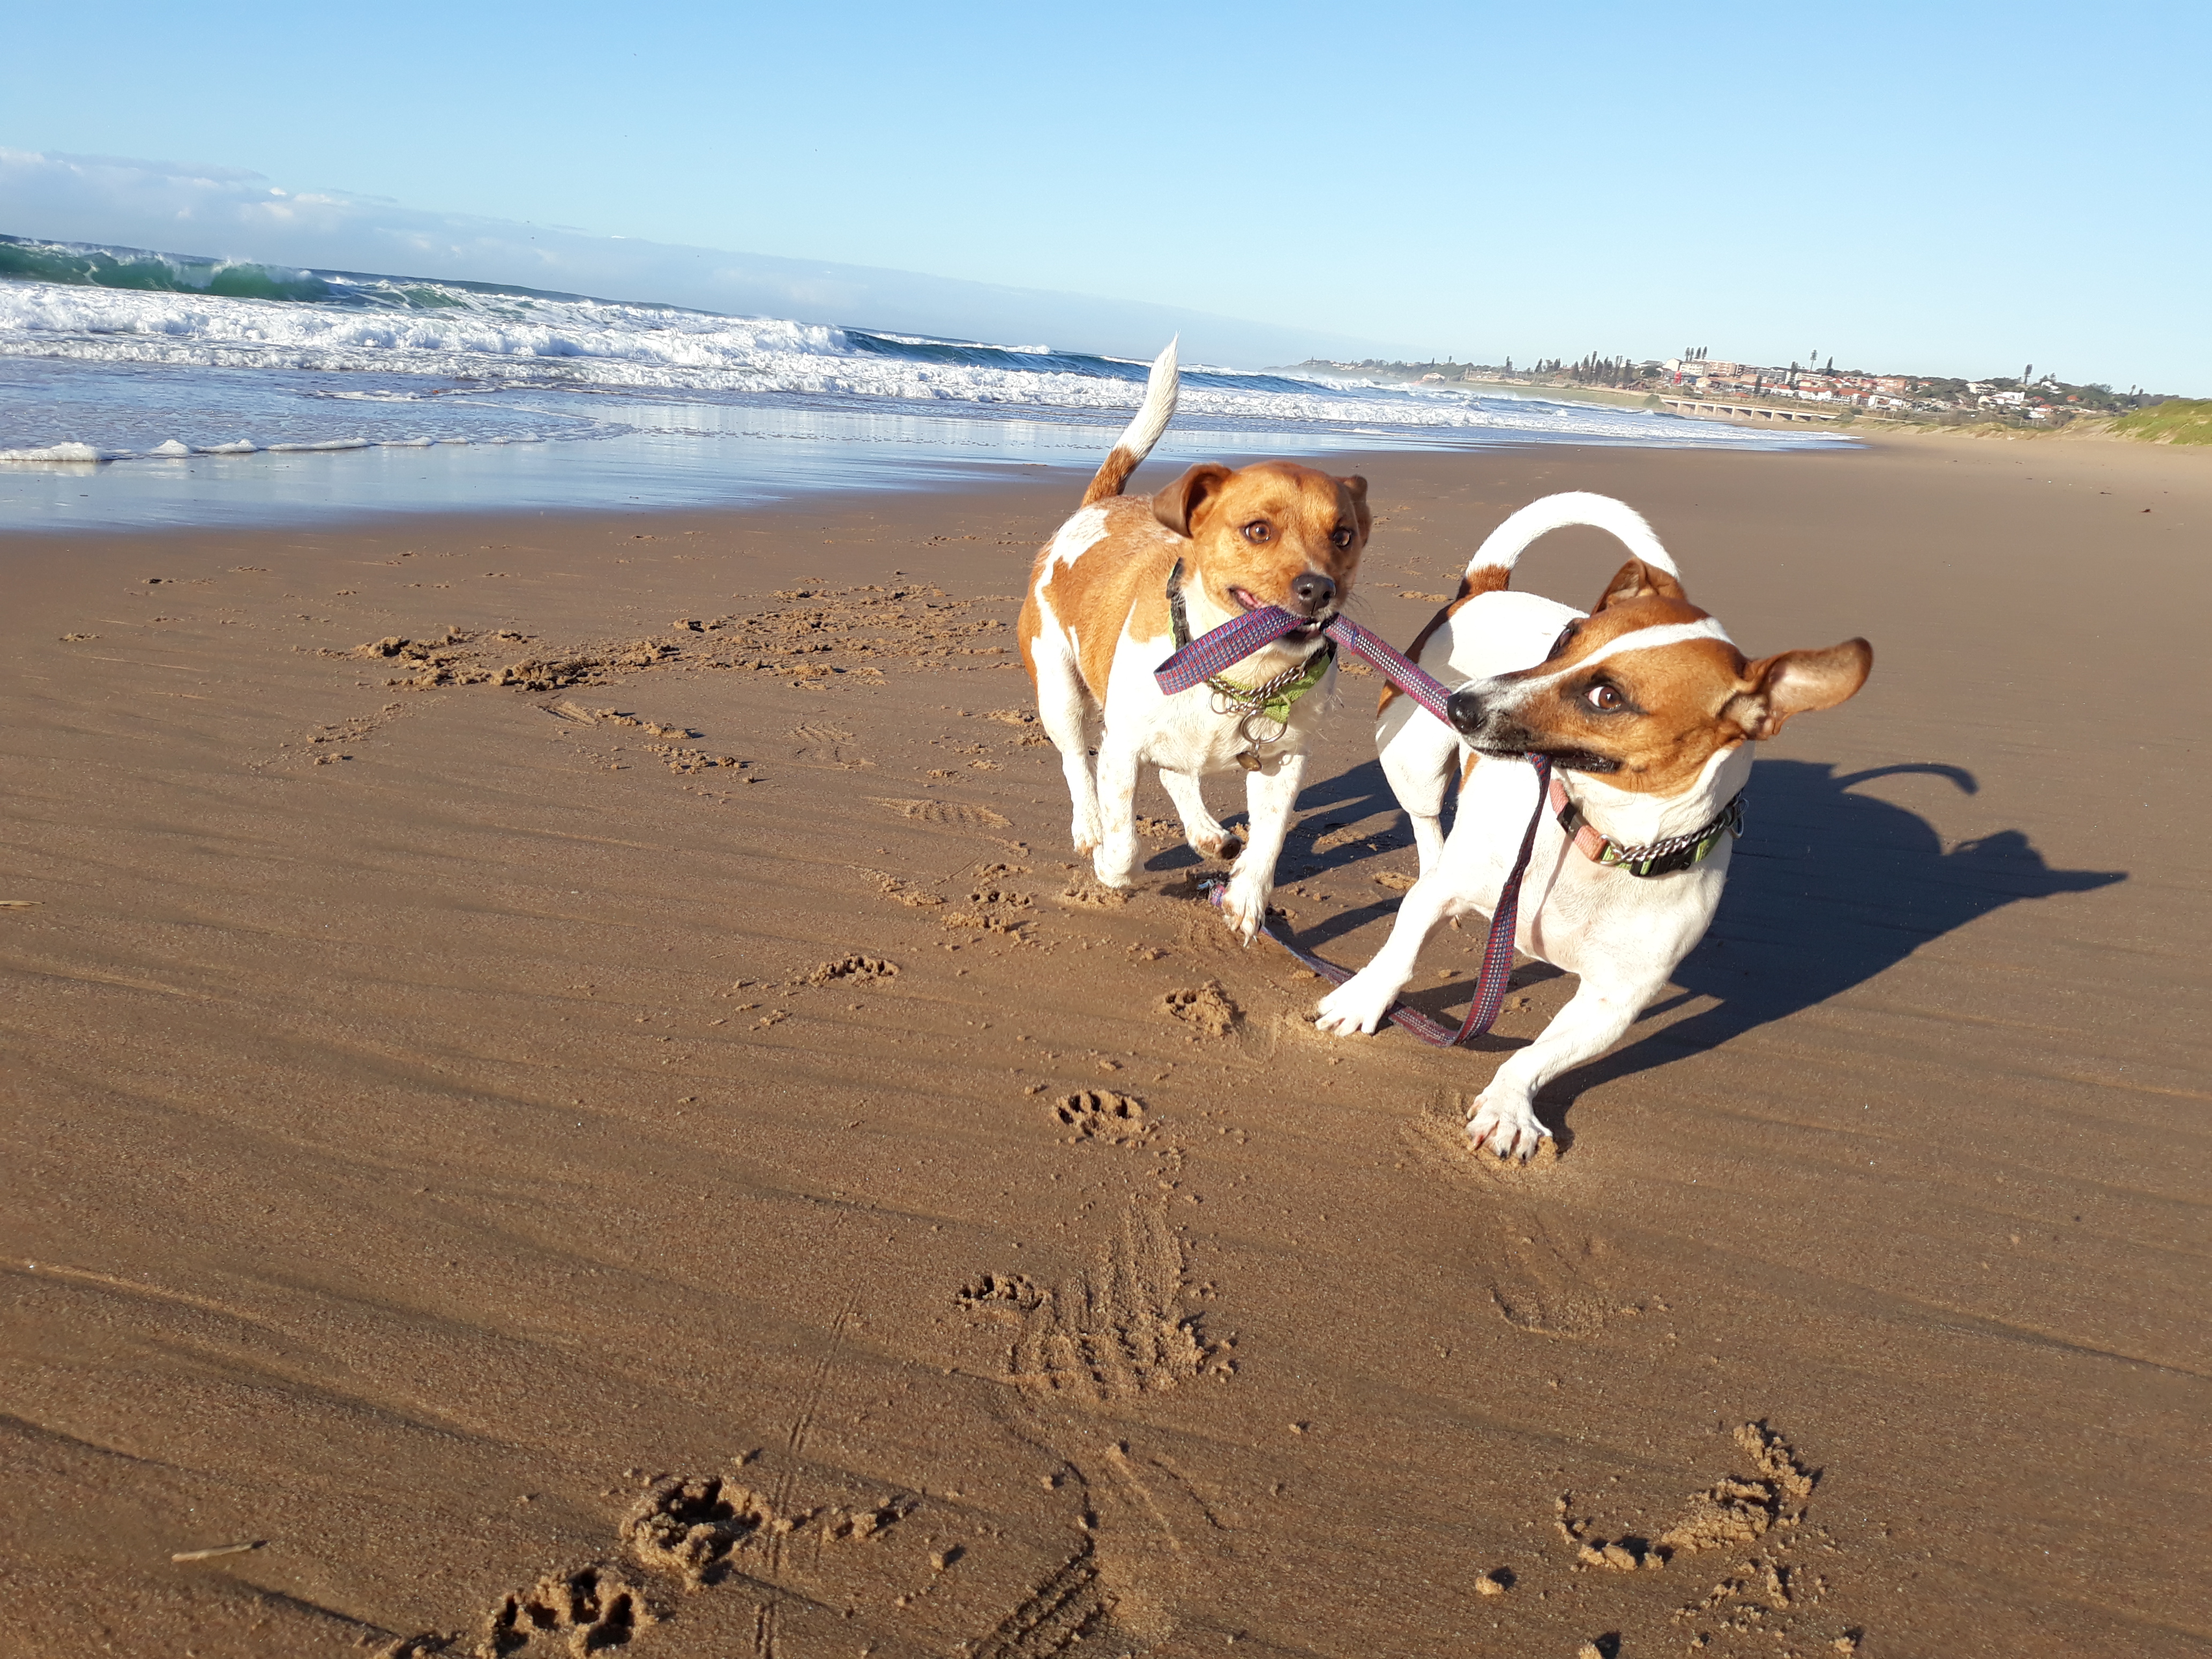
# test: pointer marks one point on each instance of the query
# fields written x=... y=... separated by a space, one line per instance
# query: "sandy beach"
x=563 y=1085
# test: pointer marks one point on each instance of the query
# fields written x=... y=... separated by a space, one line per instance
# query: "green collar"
x=1660 y=858
x=1273 y=698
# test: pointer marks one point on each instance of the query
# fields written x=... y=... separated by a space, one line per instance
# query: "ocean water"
x=139 y=388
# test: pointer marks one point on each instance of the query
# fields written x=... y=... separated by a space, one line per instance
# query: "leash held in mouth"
x=1202 y=661
x=1257 y=706
x=1204 y=658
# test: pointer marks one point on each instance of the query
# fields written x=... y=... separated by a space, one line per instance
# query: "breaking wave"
x=128 y=309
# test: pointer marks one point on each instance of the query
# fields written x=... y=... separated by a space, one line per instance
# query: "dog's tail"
x=1137 y=438
x=1492 y=567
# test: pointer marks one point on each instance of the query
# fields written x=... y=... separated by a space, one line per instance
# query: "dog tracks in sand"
x=1101 y=1114
x=815 y=641
x=1206 y=1009
x=1766 y=1595
x=1123 y=1327
x=1544 y=1279
x=949 y=814
x=684 y=1534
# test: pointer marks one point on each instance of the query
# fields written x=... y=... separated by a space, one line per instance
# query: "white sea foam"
x=497 y=340
x=62 y=451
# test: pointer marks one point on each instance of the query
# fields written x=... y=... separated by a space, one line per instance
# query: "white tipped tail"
x=1137 y=438
x=1506 y=545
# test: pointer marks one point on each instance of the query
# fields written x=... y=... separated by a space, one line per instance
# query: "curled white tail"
x=1137 y=438
x=1506 y=545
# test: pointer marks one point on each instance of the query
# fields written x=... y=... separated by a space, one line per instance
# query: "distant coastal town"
x=1815 y=390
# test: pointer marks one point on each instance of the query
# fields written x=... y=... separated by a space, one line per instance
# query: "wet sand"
x=666 y=1155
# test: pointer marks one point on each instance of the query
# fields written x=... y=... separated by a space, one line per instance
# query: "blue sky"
x=1957 y=187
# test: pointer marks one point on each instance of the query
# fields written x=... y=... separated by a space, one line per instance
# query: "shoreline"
x=362 y=451
x=697 y=490
x=441 y=1108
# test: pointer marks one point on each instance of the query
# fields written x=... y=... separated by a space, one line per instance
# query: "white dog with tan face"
x=1647 y=711
x=1128 y=578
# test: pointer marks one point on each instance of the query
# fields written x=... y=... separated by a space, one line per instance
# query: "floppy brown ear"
x=1799 y=682
x=1356 y=487
x=1179 y=503
x=1640 y=581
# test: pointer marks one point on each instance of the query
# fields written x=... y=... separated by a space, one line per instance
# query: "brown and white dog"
x=1647 y=711
x=1098 y=621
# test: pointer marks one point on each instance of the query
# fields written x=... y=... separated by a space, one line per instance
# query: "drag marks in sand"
x=1068 y=1605
x=1142 y=1526
x=1121 y=1328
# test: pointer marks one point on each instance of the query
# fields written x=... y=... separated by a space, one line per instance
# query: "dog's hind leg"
x=1064 y=710
x=1115 y=863
x=1417 y=751
x=1116 y=859
x=1207 y=836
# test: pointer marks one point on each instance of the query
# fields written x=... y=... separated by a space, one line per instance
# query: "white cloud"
x=227 y=214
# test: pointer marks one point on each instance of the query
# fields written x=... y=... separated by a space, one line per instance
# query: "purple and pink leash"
x=1208 y=654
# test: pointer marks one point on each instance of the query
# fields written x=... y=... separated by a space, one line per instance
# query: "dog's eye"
x=1258 y=530
x=1340 y=538
x=1605 y=698
x=1560 y=643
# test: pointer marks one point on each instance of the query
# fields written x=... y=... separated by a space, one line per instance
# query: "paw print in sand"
x=1205 y=1008
x=585 y=1611
x=1100 y=1115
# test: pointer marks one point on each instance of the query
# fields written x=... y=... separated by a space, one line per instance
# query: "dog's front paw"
x=1115 y=865
x=1244 y=907
x=1085 y=832
x=1358 y=1005
x=1507 y=1126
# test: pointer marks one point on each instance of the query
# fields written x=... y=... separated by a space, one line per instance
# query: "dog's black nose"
x=1313 y=592
x=1465 y=711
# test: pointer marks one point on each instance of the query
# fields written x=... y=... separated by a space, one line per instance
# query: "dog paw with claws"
x=1357 y=1005
x=1507 y=1127
x=1244 y=907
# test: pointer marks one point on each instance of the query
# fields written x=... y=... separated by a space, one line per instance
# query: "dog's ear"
x=1639 y=580
x=1356 y=487
x=1178 y=505
x=1797 y=683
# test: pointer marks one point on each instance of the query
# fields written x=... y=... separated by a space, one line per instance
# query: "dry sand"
x=667 y=1155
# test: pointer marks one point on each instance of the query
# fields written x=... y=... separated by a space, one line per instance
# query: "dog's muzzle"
x=1466 y=711
x=1314 y=593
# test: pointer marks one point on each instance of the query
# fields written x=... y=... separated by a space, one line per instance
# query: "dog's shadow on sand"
x=1828 y=888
